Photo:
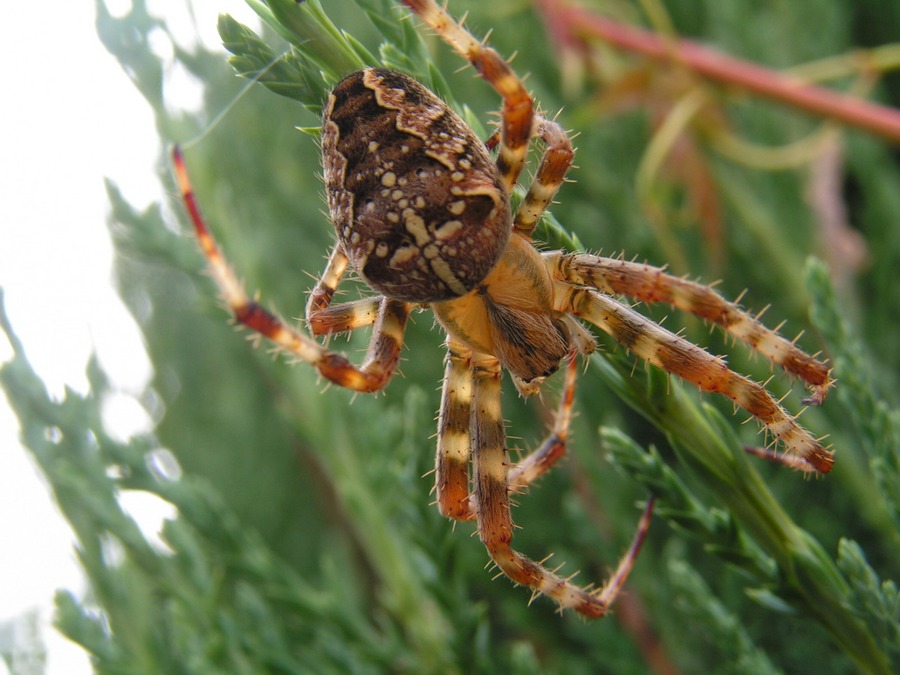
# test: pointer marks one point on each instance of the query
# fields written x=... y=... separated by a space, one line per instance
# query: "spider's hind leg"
x=517 y=113
x=550 y=175
x=387 y=335
x=325 y=318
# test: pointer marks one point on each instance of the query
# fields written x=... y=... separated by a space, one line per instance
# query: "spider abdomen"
x=418 y=203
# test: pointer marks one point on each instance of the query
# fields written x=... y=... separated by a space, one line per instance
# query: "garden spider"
x=423 y=216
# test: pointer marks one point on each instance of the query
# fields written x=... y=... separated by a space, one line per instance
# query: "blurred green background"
x=306 y=541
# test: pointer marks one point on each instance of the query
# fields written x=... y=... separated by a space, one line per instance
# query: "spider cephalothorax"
x=422 y=214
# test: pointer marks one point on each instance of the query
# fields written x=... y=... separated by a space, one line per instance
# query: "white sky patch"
x=72 y=118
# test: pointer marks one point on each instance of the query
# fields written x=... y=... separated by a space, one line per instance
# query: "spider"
x=422 y=214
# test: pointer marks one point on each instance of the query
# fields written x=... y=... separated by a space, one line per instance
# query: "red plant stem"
x=872 y=117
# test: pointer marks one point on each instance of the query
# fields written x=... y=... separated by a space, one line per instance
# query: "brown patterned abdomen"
x=415 y=197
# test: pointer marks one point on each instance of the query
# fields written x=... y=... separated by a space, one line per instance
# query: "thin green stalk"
x=809 y=578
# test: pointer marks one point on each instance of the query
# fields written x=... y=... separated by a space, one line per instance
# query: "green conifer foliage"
x=305 y=541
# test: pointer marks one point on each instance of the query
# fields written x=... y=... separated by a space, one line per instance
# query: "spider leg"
x=453 y=446
x=345 y=316
x=495 y=525
x=323 y=317
x=534 y=465
x=674 y=354
x=387 y=336
x=323 y=293
x=453 y=451
x=517 y=113
x=551 y=172
x=651 y=284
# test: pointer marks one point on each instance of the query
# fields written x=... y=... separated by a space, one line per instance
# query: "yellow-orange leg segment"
x=453 y=451
x=536 y=464
x=651 y=284
x=674 y=354
x=387 y=336
x=550 y=175
x=323 y=293
x=517 y=113
x=323 y=317
x=495 y=525
x=790 y=461
x=345 y=316
x=453 y=442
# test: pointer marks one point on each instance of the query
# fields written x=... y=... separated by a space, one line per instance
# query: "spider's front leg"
x=491 y=496
x=651 y=284
x=453 y=445
x=674 y=354
x=453 y=441
x=389 y=318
